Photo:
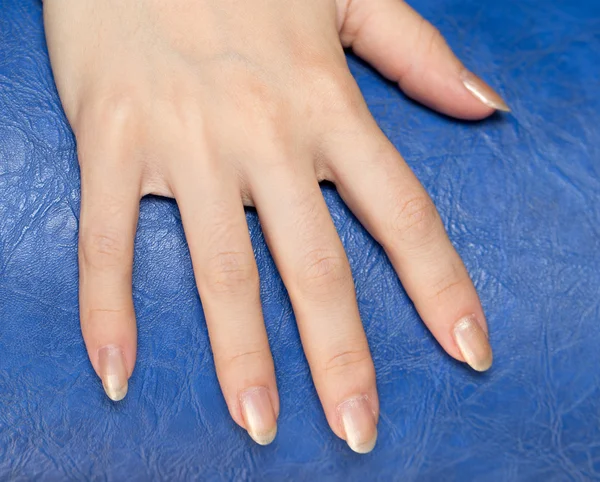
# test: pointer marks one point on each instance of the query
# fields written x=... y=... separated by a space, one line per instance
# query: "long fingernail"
x=359 y=424
x=113 y=372
x=473 y=343
x=483 y=91
x=259 y=415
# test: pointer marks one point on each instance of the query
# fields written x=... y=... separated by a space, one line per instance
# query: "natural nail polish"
x=473 y=343
x=483 y=91
x=359 y=424
x=113 y=372
x=259 y=415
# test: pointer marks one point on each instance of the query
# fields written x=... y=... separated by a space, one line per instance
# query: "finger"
x=385 y=195
x=315 y=270
x=228 y=283
x=110 y=194
x=409 y=50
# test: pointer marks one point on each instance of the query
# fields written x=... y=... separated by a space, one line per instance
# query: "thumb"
x=406 y=48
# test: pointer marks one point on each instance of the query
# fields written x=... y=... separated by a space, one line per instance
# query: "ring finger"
x=227 y=279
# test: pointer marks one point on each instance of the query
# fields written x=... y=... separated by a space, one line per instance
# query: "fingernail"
x=259 y=415
x=113 y=372
x=473 y=343
x=483 y=92
x=359 y=424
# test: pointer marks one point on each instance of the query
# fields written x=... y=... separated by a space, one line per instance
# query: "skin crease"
x=226 y=103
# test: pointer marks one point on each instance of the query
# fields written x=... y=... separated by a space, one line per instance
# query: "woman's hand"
x=221 y=104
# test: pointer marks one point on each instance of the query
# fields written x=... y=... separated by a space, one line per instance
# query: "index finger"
x=388 y=199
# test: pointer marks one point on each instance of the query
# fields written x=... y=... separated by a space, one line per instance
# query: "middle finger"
x=314 y=267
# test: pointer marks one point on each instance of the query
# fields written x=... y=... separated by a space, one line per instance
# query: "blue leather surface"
x=520 y=196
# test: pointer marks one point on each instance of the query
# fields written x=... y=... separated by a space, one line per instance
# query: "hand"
x=221 y=104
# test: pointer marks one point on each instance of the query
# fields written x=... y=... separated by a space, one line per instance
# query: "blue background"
x=520 y=197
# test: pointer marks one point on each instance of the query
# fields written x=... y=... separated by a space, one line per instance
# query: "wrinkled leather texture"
x=520 y=197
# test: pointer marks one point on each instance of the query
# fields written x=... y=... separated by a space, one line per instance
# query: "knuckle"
x=451 y=285
x=263 y=105
x=102 y=248
x=350 y=361
x=111 y=123
x=427 y=42
x=116 y=110
x=416 y=221
x=446 y=289
x=338 y=92
x=324 y=273
x=231 y=272
x=186 y=119
x=434 y=39
x=244 y=358
x=268 y=144
x=266 y=126
x=98 y=317
x=271 y=153
x=429 y=39
x=329 y=80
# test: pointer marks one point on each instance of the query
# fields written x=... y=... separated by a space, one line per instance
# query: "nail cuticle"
x=473 y=343
x=113 y=371
x=259 y=414
x=359 y=424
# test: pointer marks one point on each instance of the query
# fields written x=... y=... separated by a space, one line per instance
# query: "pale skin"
x=226 y=103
